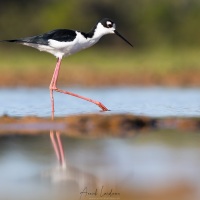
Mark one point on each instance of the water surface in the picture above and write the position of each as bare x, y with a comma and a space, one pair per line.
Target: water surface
145, 165
152, 101
29, 169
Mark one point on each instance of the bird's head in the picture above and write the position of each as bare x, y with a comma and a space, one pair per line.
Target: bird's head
107, 26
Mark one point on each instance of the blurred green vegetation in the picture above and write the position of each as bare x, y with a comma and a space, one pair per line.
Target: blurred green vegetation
182, 64
165, 35
105, 60
144, 22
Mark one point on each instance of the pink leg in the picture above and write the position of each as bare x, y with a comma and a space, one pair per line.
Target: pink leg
59, 149
52, 87
53, 82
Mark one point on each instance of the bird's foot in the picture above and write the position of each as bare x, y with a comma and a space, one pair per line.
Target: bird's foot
102, 106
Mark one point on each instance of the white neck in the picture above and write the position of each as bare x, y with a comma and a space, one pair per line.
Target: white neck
100, 31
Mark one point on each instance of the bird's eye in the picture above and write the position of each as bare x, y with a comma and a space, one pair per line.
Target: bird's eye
109, 25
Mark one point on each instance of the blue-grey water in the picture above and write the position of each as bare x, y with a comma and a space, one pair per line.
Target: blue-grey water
143, 164
29, 170
152, 101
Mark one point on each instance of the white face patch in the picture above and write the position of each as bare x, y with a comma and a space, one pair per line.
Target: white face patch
102, 30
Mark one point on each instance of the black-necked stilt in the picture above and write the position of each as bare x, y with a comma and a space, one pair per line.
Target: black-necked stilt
64, 42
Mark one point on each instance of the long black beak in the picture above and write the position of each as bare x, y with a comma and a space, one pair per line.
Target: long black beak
117, 33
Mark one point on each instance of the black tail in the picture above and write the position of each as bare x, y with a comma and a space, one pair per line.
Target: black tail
11, 40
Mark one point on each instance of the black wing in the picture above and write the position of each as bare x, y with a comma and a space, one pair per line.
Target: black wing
61, 35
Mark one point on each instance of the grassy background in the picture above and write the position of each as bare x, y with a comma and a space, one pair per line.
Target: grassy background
99, 65
165, 35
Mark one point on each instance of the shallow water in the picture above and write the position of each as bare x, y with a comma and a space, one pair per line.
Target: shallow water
29, 169
163, 163
152, 101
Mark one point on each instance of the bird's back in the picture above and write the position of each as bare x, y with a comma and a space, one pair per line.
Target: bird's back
61, 35
59, 42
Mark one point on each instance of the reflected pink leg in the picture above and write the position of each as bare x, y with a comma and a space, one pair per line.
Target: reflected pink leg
55, 145
62, 156
58, 148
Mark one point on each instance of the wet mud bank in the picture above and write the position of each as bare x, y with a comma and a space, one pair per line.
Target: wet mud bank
96, 124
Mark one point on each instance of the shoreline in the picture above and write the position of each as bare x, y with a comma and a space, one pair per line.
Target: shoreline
87, 125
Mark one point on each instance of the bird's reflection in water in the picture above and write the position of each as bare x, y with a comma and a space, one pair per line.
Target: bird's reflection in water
76, 183
64, 172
